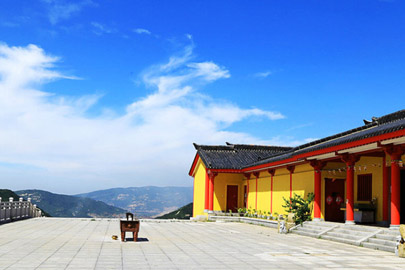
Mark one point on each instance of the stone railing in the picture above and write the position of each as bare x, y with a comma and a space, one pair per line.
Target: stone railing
15, 210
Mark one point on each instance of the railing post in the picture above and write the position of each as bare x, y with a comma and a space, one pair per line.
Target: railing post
2, 213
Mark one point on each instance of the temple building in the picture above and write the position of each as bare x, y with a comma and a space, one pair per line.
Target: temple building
361, 168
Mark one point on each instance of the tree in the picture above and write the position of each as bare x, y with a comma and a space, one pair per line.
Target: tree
300, 207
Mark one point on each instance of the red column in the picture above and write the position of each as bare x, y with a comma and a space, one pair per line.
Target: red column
395, 151
247, 175
317, 165
211, 191
350, 160
271, 172
349, 193
256, 174
386, 188
291, 170
395, 191
207, 197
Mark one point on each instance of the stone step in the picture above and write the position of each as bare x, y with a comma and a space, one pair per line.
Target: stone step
383, 242
304, 233
388, 237
310, 230
379, 247
322, 224
314, 227
345, 236
361, 228
338, 239
360, 234
391, 232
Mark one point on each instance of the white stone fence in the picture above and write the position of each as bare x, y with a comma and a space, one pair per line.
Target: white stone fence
15, 210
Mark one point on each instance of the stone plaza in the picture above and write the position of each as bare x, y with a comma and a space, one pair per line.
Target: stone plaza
66, 243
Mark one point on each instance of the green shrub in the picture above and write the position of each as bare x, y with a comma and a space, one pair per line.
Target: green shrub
300, 207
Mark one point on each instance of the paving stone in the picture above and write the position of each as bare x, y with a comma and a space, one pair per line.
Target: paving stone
56, 243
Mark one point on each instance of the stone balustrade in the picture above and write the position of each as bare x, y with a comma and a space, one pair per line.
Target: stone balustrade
15, 210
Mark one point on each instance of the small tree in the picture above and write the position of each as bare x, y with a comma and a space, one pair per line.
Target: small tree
300, 207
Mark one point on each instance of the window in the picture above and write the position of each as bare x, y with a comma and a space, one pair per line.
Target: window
364, 187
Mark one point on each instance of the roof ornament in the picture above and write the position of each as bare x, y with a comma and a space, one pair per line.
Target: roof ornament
374, 120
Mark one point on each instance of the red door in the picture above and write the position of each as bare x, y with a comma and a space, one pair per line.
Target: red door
232, 198
334, 198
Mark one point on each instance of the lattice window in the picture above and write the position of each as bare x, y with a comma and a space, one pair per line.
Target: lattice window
364, 187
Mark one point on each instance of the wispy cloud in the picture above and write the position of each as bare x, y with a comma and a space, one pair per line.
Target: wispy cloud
56, 146
142, 31
100, 29
300, 126
264, 74
59, 10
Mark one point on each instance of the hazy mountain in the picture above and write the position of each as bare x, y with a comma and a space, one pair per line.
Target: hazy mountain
144, 201
58, 205
184, 212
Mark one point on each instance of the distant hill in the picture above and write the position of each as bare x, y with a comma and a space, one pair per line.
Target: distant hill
58, 205
184, 212
147, 201
5, 195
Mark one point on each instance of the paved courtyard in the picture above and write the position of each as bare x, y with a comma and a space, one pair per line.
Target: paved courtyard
54, 243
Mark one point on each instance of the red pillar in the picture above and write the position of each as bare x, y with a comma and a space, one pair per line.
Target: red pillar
395, 151
211, 191
271, 172
291, 170
317, 165
247, 175
386, 188
395, 191
350, 193
350, 161
256, 174
207, 196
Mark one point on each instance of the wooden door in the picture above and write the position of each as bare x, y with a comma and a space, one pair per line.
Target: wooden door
232, 198
334, 197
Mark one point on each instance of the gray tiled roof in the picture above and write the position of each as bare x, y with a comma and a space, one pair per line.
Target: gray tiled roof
235, 156
238, 156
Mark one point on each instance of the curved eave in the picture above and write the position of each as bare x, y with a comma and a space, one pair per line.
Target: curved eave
301, 157
194, 165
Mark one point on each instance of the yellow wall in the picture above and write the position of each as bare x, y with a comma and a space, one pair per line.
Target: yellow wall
199, 190
263, 192
281, 188
222, 180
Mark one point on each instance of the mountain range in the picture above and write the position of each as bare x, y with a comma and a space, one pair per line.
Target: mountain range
144, 202
59, 205
149, 201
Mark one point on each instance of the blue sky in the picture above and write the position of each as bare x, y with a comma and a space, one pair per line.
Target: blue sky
99, 94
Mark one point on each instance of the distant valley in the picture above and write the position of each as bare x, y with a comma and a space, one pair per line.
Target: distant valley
146, 202
149, 201
59, 205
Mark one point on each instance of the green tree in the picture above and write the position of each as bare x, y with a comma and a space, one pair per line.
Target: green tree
301, 207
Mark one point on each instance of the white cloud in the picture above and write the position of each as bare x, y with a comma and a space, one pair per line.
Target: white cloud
59, 10
142, 31
100, 29
48, 142
264, 74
